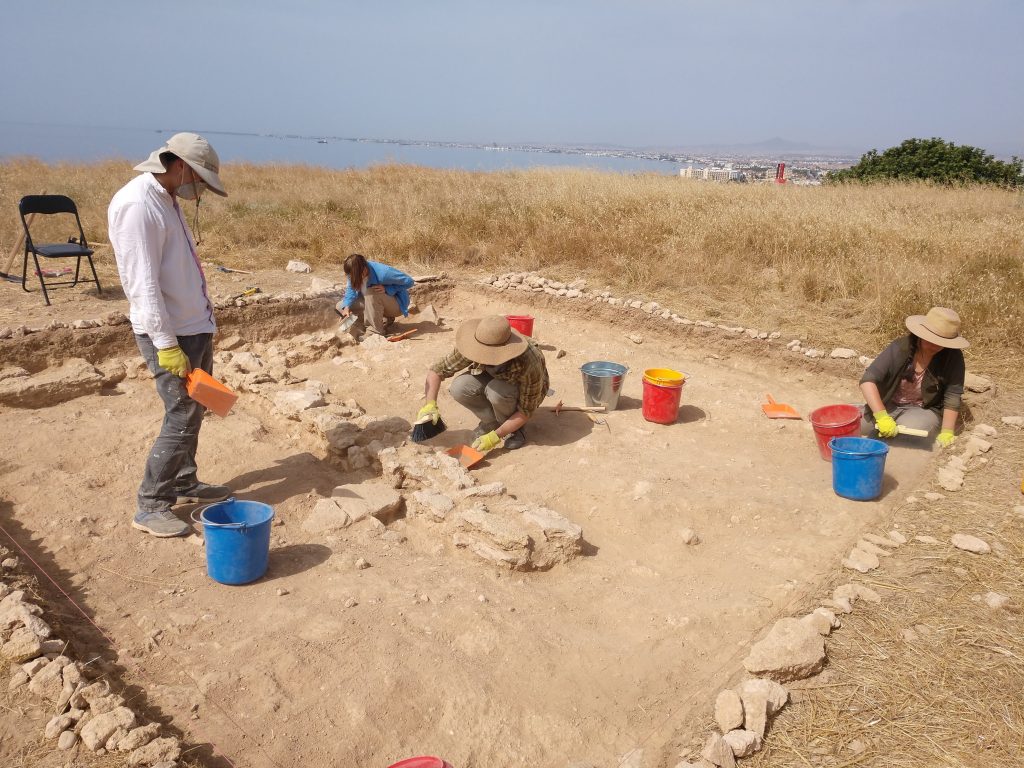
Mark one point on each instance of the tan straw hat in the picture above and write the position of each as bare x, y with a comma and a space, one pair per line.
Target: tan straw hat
940, 326
194, 150
489, 340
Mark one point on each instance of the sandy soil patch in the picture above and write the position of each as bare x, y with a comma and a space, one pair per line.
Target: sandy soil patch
439, 652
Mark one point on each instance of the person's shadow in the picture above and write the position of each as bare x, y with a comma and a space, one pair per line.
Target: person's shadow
289, 477
292, 559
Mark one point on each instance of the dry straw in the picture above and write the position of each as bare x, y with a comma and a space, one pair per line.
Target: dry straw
932, 676
836, 265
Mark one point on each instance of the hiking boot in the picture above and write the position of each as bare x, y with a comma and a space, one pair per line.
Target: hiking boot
516, 440
203, 492
162, 524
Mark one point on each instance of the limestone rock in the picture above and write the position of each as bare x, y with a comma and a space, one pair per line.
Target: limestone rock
898, 537
290, 403
995, 600
300, 267
368, 499
326, 516
859, 560
970, 543
689, 536
1013, 421
743, 743
718, 752
497, 488
728, 710
67, 740
855, 592
818, 622
559, 539
75, 378
493, 538
791, 651
101, 727
57, 724
775, 695
48, 683
985, 430
165, 749
927, 539
21, 646
872, 549
18, 679
432, 504
842, 353
950, 478
138, 737
975, 383
881, 541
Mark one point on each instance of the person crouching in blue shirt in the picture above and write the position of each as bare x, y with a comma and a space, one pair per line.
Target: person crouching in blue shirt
376, 292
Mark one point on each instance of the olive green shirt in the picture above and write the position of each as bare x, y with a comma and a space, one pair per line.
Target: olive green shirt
528, 371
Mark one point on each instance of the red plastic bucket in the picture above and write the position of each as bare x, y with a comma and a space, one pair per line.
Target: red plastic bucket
522, 323
661, 402
421, 762
834, 421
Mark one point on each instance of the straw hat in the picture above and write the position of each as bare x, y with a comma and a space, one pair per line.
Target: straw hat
194, 150
489, 340
940, 326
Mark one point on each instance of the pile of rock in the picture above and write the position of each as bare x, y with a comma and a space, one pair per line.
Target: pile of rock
532, 282
85, 712
794, 649
950, 475
434, 488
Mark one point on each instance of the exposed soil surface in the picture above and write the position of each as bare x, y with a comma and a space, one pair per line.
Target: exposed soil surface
442, 653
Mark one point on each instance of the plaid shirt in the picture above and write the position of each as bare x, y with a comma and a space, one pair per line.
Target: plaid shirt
528, 372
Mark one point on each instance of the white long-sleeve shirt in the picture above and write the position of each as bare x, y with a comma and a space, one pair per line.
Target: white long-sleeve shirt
156, 259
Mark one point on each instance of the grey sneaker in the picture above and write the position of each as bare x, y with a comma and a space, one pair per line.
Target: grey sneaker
516, 440
162, 524
203, 492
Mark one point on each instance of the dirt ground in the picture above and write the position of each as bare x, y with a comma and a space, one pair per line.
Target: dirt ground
442, 653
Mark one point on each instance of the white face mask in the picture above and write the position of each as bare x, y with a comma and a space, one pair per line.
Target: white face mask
191, 191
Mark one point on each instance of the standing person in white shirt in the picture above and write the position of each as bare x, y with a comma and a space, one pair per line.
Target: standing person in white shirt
171, 315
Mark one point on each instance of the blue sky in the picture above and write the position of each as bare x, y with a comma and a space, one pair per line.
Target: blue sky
845, 74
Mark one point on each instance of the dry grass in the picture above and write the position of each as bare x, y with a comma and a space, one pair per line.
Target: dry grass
931, 676
832, 264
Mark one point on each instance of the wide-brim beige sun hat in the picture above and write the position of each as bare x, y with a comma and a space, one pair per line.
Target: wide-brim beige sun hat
489, 340
194, 150
940, 326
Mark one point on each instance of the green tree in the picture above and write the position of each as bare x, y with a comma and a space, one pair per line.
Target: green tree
934, 160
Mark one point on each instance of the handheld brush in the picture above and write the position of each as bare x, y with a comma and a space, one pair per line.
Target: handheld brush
426, 428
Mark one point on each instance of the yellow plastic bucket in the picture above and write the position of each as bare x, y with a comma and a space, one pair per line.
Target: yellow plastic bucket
664, 377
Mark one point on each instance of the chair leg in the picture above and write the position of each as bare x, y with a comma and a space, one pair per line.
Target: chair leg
96, 279
42, 282
24, 272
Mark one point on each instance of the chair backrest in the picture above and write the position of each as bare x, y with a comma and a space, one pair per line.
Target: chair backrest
46, 204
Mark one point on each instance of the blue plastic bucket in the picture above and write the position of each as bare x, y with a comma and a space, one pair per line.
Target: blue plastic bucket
858, 465
237, 540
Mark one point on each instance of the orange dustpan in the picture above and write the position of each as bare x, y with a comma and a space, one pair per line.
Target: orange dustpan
774, 410
466, 455
206, 390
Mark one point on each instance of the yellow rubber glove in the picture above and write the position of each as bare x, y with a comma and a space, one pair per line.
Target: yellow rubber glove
885, 424
173, 360
428, 412
488, 442
945, 438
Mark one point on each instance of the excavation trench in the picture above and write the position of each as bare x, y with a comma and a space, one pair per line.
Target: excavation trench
431, 650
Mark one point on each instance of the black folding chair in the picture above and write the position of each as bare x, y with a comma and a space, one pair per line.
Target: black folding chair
74, 248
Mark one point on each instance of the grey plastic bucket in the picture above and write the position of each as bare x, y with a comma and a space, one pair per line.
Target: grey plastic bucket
602, 382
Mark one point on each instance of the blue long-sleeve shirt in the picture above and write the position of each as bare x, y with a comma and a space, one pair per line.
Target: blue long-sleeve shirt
396, 283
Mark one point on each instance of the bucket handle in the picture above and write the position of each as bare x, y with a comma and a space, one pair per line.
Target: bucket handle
194, 512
